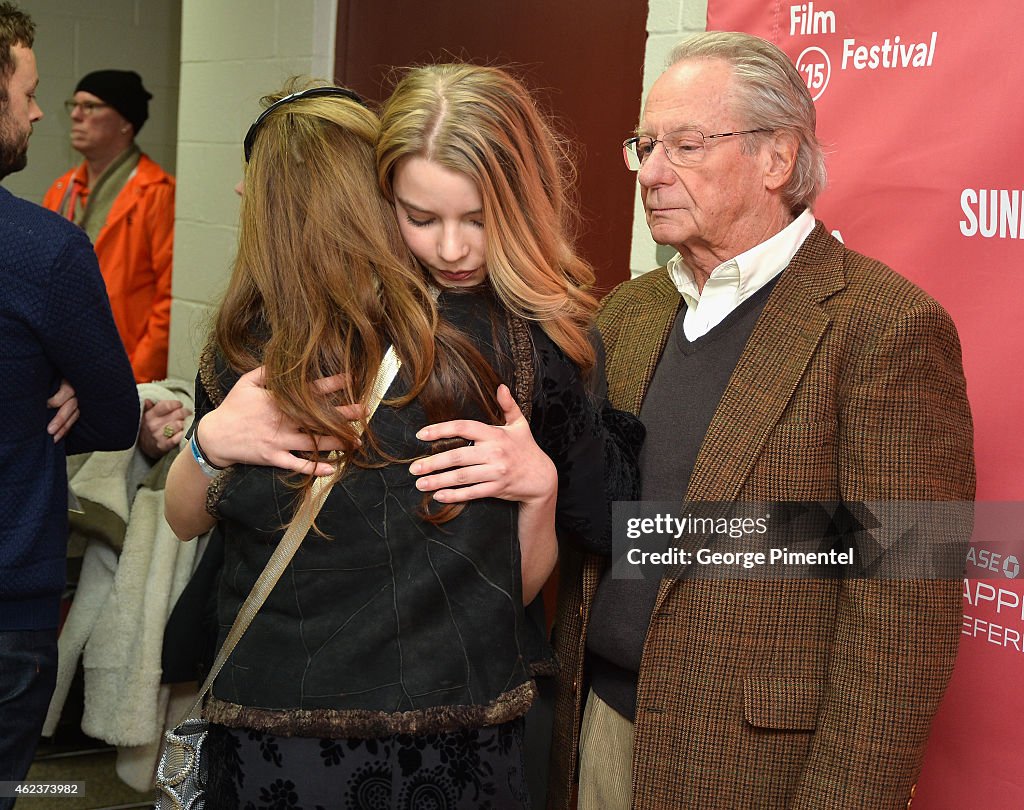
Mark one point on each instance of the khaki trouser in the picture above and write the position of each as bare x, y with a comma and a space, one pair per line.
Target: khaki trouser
606, 758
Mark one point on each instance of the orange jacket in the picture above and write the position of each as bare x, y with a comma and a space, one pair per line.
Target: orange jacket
134, 249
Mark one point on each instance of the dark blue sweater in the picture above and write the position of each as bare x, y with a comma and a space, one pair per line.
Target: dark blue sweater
55, 323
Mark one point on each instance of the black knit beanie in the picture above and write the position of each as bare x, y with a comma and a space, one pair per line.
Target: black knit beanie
122, 90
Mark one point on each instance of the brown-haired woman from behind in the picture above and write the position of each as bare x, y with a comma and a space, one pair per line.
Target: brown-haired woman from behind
391, 662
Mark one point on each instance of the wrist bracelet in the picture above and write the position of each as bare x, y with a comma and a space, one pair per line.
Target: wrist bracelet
208, 468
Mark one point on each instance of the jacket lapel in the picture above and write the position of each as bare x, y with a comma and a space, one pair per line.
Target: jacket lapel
775, 358
637, 354
769, 369
128, 198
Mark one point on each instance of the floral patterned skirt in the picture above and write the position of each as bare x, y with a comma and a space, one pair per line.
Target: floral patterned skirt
478, 769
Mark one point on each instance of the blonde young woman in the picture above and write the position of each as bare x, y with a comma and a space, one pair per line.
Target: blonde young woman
481, 187
392, 664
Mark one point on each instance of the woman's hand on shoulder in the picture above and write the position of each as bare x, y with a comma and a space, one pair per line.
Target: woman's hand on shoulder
248, 427
501, 461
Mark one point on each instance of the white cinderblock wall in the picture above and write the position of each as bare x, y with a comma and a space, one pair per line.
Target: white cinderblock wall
75, 38
231, 54
667, 22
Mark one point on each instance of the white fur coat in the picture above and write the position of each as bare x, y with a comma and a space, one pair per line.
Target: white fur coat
116, 622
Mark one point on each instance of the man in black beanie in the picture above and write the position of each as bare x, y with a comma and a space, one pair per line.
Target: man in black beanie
125, 202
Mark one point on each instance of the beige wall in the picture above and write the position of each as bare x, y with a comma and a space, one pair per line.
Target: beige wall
667, 22
75, 38
231, 54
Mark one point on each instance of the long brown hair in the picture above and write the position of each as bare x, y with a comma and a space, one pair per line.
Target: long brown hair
323, 282
482, 122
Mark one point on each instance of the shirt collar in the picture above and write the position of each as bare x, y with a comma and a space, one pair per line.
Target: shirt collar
745, 274
81, 175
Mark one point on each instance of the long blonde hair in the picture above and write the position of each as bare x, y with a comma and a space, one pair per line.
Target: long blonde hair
482, 122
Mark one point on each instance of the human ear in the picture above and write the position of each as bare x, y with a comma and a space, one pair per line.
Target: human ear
781, 152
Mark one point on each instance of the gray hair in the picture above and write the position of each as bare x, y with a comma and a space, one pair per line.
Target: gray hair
771, 95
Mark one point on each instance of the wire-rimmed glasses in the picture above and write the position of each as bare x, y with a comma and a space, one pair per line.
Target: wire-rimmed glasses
87, 107
683, 147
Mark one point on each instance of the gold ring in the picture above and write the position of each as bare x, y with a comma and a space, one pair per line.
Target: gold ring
169, 430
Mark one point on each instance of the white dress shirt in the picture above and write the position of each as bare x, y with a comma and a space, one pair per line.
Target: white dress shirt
734, 281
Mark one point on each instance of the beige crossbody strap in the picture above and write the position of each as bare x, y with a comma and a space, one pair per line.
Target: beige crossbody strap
293, 537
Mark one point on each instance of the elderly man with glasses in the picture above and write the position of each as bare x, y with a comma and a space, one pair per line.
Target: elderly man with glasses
124, 201
770, 365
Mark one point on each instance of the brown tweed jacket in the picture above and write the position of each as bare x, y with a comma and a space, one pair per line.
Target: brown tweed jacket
812, 694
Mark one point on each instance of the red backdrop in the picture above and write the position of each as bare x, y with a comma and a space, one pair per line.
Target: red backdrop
919, 114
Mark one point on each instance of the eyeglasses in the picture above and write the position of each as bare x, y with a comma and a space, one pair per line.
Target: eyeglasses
312, 92
88, 107
683, 147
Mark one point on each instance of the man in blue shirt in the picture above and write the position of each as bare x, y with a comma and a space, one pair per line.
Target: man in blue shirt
55, 325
